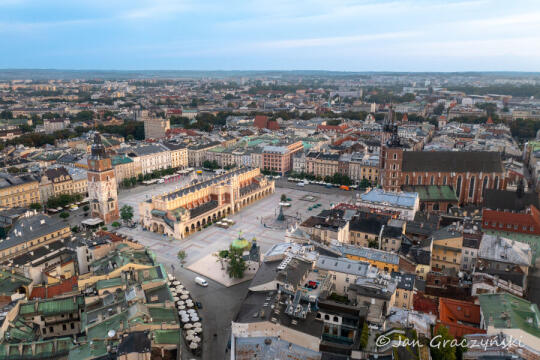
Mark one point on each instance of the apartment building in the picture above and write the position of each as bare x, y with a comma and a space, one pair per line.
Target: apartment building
32, 232
279, 158
18, 191
152, 157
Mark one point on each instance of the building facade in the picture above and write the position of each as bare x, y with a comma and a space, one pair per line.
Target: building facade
191, 208
102, 188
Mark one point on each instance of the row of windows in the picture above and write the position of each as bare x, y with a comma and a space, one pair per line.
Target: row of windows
509, 226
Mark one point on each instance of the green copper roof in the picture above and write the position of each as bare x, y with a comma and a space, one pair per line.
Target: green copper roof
433, 192
11, 282
506, 311
167, 336
109, 283
240, 243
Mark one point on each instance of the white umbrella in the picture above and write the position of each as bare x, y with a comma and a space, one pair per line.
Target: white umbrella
193, 345
176, 298
182, 312
188, 300
171, 278
197, 324
196, 339
176, 283
194, 318
197, 330
180, 302
184, 297
189, 304
191, 311
185, 319
181, 307
180, 288
190, 332
173, 291
188, 326
189, 337
184, 292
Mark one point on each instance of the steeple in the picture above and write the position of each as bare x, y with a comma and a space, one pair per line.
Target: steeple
98, 150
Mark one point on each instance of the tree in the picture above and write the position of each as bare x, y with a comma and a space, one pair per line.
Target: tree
237, 265
116, 224
364, 183
126, 213
438, 110
86, 208
283, 197
35, 206
439, 351
364, 336
64, 215
181, 256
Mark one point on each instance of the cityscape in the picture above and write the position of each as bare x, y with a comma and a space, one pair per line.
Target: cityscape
244, 193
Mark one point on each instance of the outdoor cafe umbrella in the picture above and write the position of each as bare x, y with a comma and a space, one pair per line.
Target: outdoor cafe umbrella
197, 330
180, 302
190, 337
196, 339
181, 307
193, 345
197, 324
188, 326
184, 297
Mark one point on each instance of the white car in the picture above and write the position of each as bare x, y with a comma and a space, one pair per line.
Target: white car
201, 281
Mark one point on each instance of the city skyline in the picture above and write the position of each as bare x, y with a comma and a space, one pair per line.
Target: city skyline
480, 35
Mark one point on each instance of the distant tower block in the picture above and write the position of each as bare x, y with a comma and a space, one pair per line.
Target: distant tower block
102, 190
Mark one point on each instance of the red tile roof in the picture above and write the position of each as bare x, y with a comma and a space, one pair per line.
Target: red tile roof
460, 317
424, 304
523, 223
47, 292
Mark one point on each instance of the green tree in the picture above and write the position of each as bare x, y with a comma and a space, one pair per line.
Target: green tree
35, 206
442, 352
364, 336
116, 224
86, 208
438, 110
64, 215
126, 213
181, 256
364, 183
283, 198
237, 265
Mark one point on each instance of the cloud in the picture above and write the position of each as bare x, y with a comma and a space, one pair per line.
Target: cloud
332, 41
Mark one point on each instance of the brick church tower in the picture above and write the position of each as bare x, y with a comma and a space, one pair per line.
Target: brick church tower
391, 156
102, 184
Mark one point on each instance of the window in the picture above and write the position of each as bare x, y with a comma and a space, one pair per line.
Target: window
444, 181
336, 319
419, 182
407, 180
471, 187
496, 183
484, 186
395, 156
458, 187
326, 317
64, 327
432, 180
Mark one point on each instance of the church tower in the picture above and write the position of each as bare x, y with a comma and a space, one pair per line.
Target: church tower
391, 156
102, 183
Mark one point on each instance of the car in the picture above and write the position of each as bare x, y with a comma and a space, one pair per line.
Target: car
198, 304
201, 281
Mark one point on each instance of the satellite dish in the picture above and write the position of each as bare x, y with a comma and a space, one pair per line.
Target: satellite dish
111, 333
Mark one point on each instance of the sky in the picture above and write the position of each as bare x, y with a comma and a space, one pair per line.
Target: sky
341, 35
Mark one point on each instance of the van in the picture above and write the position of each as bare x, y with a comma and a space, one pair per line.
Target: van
201, 281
